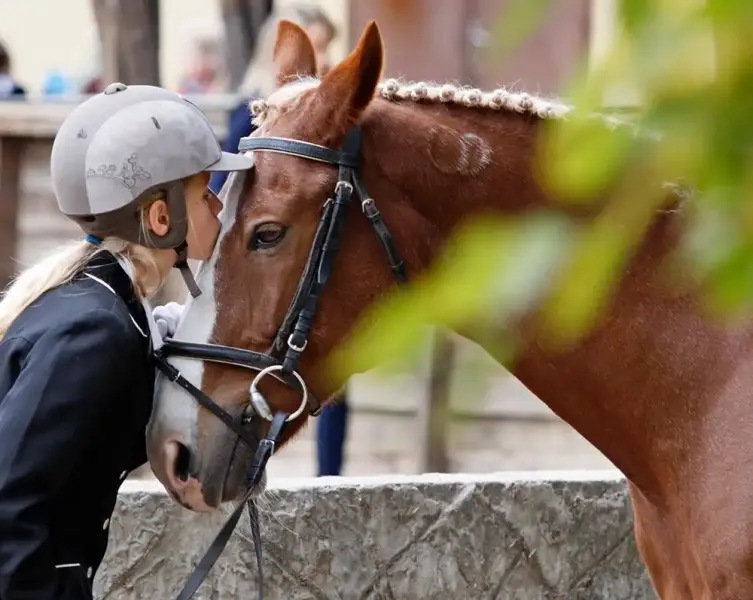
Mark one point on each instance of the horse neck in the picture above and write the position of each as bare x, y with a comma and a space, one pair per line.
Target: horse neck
448, 162
639, 384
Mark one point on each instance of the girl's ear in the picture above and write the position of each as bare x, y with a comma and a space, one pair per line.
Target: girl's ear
158, 217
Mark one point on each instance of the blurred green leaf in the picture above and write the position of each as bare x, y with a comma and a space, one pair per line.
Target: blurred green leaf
598, 261
492, 270
733, 280
634, 14
691, 64
582, 156
516, 23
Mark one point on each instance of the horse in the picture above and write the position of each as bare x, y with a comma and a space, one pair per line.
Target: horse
656, 385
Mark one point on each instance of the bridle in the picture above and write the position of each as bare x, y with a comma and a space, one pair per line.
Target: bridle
281, 361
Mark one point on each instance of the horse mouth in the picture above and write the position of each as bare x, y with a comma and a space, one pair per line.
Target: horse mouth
237, 473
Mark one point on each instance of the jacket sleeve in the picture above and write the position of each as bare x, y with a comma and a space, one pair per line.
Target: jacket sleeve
53, 408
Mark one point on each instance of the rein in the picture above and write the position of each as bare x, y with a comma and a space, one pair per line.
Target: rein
291, 338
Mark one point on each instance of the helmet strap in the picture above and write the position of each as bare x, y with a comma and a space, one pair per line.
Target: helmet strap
182, 265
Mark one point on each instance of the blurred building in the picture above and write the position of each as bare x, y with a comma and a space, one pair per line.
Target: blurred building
65, 37
440, 40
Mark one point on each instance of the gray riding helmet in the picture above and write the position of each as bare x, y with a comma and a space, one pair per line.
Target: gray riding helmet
118, 148
75, 134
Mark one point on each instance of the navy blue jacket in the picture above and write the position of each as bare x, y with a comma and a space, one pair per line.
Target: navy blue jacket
17, 93
76, 388
239, 125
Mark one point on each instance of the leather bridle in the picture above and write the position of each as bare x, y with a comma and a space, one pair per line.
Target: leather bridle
281, 361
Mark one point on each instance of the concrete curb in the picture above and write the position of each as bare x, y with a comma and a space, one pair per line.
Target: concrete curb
505, 535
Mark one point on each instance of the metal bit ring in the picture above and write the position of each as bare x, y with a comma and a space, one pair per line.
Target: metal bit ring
257, 397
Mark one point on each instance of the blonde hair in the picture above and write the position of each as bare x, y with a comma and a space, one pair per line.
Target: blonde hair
63, 264
260, 77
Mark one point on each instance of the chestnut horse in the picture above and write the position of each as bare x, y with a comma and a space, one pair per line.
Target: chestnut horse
660, 389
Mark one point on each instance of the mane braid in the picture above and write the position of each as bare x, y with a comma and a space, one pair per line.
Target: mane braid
499, 99
393, 90
396, 91
287, 98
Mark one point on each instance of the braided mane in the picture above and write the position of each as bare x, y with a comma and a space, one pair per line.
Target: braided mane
501, 99
397, 91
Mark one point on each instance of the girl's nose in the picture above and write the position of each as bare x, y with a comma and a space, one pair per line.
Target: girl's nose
215, 204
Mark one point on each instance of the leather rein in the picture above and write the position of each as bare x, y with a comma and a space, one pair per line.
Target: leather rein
281, 361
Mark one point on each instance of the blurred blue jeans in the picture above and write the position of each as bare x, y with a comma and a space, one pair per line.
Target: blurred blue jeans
331, 432
238, 126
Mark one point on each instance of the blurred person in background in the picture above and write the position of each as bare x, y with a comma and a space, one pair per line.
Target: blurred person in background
260, 82
205, 73
91, 81
9, 87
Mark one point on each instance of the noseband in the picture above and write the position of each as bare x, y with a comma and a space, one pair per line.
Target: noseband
281, 361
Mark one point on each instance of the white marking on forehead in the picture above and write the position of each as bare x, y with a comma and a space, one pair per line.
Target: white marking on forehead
291, 91
175, 410
282, 98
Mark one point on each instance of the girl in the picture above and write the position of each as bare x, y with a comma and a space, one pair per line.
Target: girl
131, 166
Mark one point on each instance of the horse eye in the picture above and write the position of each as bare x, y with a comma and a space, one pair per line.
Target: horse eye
266, 235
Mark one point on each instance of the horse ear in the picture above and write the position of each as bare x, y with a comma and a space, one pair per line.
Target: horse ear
350, 85
294, 53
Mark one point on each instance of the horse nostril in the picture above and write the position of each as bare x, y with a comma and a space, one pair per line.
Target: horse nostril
183, 463
177, 469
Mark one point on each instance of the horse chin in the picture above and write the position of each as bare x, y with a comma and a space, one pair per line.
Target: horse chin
236, 492
225, 465
236, 479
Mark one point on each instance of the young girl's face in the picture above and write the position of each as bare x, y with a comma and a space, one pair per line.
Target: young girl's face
203, 209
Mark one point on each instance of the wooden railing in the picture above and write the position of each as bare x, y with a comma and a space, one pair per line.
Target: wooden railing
39, 117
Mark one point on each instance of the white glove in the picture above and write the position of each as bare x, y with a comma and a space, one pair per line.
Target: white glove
166, 317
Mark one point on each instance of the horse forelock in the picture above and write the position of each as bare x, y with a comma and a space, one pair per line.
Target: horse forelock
281, 100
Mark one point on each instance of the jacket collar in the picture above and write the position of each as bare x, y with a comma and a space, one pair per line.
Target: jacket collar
104, 266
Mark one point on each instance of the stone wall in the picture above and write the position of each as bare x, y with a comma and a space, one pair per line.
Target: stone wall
510, 536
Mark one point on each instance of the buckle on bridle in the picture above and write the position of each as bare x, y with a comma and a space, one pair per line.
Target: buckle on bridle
344, 184
292, 345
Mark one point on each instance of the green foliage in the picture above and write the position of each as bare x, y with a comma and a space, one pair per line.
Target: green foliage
521, 18
493, 270
690, 63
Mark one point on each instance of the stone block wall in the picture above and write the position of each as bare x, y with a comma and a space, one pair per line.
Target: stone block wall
512, 536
